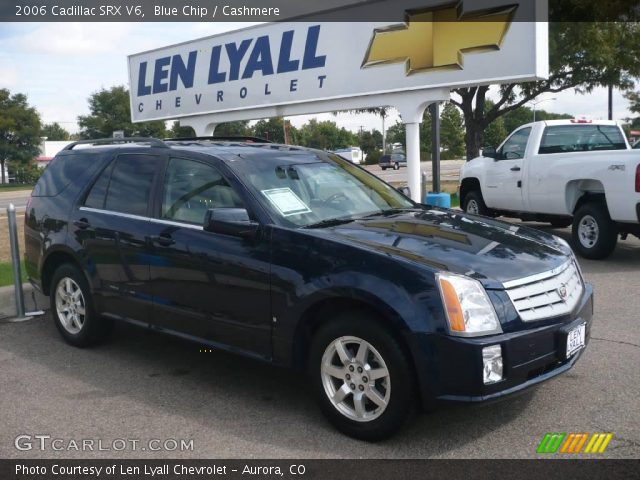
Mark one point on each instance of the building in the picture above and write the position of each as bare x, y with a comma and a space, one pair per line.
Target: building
49, 149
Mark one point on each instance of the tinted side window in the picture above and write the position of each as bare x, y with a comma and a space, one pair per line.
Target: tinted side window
98, 192
191, 188
60, 172
130, 186
516, 145
580, 138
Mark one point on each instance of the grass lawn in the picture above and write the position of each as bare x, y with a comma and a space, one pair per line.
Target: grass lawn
6, 274
13, 188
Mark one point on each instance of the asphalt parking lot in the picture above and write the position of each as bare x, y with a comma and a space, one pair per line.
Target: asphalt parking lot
144, 385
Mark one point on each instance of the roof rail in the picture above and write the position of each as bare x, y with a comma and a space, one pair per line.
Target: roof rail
224, 138
154, 142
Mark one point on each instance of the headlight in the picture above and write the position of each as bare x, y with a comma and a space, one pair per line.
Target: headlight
564, 243
468, 308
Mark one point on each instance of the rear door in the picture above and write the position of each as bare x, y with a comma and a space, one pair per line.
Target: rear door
112, 225
208, 285
504, 174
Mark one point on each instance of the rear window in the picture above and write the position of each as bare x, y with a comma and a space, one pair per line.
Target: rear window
60, 172
385, 158
581, 138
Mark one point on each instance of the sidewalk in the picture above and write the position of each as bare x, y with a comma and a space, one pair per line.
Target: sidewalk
33, 301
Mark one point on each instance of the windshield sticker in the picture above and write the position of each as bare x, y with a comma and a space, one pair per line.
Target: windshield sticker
286, 201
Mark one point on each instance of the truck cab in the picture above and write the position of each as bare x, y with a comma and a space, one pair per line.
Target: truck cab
562, 172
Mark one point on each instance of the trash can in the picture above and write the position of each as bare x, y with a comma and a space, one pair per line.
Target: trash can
438, 199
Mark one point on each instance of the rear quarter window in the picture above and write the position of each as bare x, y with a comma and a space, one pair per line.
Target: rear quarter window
62, 170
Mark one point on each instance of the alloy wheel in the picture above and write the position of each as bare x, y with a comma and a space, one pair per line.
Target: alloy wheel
356, 379
70, 305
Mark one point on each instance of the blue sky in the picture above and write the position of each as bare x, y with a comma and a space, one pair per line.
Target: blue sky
58, 65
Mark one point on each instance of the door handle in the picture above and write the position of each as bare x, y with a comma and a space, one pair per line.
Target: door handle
82, 224
515, 169
163, 240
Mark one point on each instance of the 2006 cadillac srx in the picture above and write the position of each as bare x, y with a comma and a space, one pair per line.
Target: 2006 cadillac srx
300, 258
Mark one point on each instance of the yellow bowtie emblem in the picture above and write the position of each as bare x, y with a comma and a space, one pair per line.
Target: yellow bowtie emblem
436, 38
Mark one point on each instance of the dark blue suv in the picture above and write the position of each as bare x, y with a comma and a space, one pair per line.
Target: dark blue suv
301, 258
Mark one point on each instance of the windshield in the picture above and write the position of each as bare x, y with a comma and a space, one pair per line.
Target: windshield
310, 194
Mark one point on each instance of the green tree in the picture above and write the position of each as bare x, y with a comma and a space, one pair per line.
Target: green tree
495, 133
370, 141
234, 129
581, 56
451, 131
53, 131
522, 115
178, 131
326, 135
271, 129
19, 130
110, 111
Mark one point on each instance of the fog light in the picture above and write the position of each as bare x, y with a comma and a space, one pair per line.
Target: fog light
492, 364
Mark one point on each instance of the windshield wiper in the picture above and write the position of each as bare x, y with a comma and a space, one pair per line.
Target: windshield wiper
331, 222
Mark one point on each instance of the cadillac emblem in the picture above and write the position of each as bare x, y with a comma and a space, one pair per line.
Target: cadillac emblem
562, 291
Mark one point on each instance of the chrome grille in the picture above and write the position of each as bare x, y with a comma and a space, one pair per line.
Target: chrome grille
547, 294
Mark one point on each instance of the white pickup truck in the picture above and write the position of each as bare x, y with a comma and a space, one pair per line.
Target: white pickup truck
563, 172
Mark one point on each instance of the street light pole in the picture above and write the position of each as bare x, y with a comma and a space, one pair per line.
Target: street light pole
535, 104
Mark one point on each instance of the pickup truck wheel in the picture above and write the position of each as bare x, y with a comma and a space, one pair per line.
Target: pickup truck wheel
361, 377
594, 233
383, 168
396, 166
474, 204
72, 308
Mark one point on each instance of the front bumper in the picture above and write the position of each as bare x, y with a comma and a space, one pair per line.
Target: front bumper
530, 356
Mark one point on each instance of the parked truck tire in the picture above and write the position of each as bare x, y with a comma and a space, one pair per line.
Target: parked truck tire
474, 204
594, 233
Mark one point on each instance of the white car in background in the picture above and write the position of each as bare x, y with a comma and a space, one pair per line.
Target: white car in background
564, 172
353, 154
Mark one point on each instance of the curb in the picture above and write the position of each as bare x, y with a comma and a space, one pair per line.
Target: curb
33, 300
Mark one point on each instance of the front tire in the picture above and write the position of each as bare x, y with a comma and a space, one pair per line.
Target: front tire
361, 377
594, 233
396, 166
72, 308
474, 204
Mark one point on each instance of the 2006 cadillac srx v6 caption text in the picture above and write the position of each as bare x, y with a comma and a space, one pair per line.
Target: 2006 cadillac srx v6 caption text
303, 259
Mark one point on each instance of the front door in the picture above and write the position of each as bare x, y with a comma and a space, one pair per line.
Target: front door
505, 173
208, 285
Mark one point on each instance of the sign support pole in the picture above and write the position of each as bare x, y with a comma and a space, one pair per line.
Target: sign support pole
413, 160
435, 146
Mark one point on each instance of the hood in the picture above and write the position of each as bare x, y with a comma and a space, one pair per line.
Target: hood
491, 251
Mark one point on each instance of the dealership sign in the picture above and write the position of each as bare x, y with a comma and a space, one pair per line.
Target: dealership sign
286, 64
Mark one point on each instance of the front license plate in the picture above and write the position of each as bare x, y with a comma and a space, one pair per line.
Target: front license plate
575, 339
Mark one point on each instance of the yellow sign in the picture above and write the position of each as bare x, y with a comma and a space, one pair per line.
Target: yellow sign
437, 38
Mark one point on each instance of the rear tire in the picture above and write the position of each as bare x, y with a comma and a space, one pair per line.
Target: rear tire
383, 168
364, 395
72, 308
594, 233
474, 204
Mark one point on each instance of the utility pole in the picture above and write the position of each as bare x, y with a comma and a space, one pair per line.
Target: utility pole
610, 102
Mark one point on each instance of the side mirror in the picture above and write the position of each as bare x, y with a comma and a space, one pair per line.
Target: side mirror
405, 191
234, 222
489, 152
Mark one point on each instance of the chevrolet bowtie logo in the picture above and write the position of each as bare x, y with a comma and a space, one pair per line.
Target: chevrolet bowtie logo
436, 38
